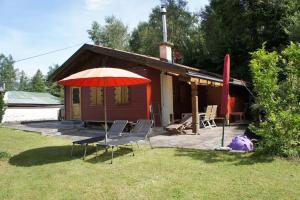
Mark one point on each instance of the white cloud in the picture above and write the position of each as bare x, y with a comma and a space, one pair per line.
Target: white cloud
96, 4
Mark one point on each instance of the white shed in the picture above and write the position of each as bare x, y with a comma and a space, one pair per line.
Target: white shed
30, 106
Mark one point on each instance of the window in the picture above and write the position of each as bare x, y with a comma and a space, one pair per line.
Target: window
121, 95
75, 95
96, 96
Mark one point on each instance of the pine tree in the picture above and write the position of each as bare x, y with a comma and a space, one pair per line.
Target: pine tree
38, 82
8, 72
52, 87
24, 82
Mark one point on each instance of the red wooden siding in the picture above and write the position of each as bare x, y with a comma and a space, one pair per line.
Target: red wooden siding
213, 97
237, 100
134, 110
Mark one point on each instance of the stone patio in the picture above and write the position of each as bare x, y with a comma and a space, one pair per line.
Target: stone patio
208, 138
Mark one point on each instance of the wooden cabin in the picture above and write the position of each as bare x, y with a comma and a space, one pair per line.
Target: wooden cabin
175, 88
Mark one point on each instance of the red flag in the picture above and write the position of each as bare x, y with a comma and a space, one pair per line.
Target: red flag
225, 88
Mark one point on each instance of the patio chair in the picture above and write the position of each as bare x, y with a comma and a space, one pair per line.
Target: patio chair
178, 128
205, 121
115, 130
140, 132
213, 115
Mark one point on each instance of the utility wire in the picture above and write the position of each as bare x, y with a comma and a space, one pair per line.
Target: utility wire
244, 84
49, 52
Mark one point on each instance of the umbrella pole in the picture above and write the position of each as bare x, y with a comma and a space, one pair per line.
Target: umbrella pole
105, 117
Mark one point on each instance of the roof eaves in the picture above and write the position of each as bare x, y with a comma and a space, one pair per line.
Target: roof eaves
53, 75
204, 76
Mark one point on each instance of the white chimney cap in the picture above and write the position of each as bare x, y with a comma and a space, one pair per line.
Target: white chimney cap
163, 9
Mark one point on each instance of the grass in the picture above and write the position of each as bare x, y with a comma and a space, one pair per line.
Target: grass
40, 167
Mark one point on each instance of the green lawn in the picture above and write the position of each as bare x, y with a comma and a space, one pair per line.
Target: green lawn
40, 167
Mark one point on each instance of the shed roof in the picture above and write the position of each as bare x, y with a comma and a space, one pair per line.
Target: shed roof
30, 98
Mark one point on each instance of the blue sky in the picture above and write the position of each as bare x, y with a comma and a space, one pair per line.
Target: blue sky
31, 27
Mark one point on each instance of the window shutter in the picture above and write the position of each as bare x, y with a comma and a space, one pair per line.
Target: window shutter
121, 95
100, 96
125, 95
93, 96
96, 96
118, 95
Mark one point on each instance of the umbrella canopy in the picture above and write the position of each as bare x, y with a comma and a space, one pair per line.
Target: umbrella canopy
225, 88
104, 77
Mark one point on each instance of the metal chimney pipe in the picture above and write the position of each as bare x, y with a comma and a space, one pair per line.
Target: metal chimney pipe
163, 12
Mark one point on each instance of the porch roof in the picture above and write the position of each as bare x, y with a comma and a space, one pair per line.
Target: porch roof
215, 79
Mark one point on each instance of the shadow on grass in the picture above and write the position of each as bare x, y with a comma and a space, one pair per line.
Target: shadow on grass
104, 156
48, 155
229, 157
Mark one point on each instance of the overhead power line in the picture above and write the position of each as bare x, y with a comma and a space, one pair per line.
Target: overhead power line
49, 52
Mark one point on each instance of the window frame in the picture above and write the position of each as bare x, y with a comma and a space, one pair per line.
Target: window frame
95, 91
128, 96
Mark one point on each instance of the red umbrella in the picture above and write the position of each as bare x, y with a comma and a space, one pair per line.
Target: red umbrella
225, 88
105, 77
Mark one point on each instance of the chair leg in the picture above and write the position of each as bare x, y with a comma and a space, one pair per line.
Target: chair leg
96, 152
85, 148
72, 149
132, 149
202, 123
112, 154
150, 144
209, 125
213, 123
205, 124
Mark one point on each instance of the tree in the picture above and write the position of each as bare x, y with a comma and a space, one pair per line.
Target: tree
52, 87
238, 27
24, 83
183, 31
8, 72
113, 34
2, 106
280, 97
294, 29
38, 82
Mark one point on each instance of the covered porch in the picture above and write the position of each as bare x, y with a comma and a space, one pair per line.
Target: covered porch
194, 92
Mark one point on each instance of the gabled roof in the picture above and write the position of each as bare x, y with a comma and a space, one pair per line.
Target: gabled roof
30, 98
141, 59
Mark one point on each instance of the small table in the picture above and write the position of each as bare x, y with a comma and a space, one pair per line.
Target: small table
239, 114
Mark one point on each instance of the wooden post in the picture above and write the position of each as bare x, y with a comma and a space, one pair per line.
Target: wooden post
195, 122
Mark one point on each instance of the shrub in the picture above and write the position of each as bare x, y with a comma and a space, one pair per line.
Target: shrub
276, 81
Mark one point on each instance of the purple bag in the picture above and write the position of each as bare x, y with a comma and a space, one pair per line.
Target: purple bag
241, 143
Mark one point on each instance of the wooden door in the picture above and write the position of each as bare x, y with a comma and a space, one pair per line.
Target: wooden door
76, 103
